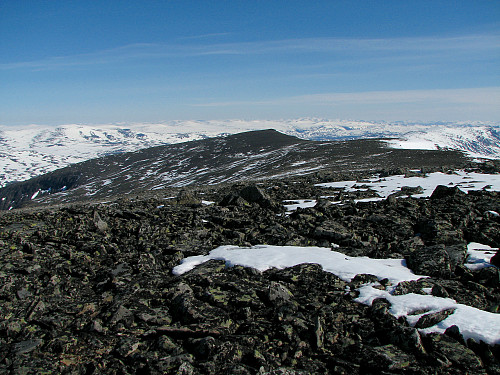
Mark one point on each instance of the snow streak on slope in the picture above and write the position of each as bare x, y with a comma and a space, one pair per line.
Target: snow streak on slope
29, 151
478, 141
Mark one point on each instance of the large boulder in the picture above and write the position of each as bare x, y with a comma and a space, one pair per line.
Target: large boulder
430, 261
249, 194
442, 191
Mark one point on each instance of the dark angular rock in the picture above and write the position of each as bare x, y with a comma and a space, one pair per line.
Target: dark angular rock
430, 261
429, 320
387, 358
278, 294
27, 346
488, 276
438, 231
249, 194
203, 348
255, 194
410, 190
122, 315
335, 232
450, 352
408, 339
454, 332
495, 260
439, 291
442, 191
457, 254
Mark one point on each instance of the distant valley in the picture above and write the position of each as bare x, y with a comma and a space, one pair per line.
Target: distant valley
29, 151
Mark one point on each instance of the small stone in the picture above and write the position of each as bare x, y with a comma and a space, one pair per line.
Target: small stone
23, 294
26, 346
387, 357
429, 320
122, 315
278, 293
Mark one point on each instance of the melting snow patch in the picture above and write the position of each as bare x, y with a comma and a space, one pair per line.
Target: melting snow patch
35, 195
292, 205
472, 322
479, 256
384, 187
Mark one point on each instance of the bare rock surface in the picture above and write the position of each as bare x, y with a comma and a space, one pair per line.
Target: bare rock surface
88, 288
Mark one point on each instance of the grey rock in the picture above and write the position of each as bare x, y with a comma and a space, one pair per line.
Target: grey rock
387, 358
122, 315
27, 346
429, 320
278, 293
430, 261
442, 191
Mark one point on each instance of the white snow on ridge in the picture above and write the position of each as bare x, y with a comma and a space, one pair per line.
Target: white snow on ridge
33, 150
472, 322
478, 141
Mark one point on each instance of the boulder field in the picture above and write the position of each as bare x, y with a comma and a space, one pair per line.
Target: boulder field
89, 289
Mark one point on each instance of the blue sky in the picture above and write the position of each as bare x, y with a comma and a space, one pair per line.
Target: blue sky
112, 61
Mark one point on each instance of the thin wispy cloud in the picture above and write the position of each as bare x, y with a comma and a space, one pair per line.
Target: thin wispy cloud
429, 105
392, 47
486, 96
205, 36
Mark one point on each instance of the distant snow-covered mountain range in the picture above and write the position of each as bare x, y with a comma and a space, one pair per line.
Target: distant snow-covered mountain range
32, 150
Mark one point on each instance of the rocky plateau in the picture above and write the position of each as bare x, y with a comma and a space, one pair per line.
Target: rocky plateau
86, 287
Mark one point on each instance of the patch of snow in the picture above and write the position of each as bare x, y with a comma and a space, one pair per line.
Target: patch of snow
263, 257
36, 194
292, 205
472, 322
465, 181
479, 256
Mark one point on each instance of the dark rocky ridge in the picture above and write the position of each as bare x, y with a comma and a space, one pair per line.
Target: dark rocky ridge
88, 288
247, 156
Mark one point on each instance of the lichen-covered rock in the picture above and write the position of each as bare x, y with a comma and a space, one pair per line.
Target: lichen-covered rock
431, 261
89, 289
